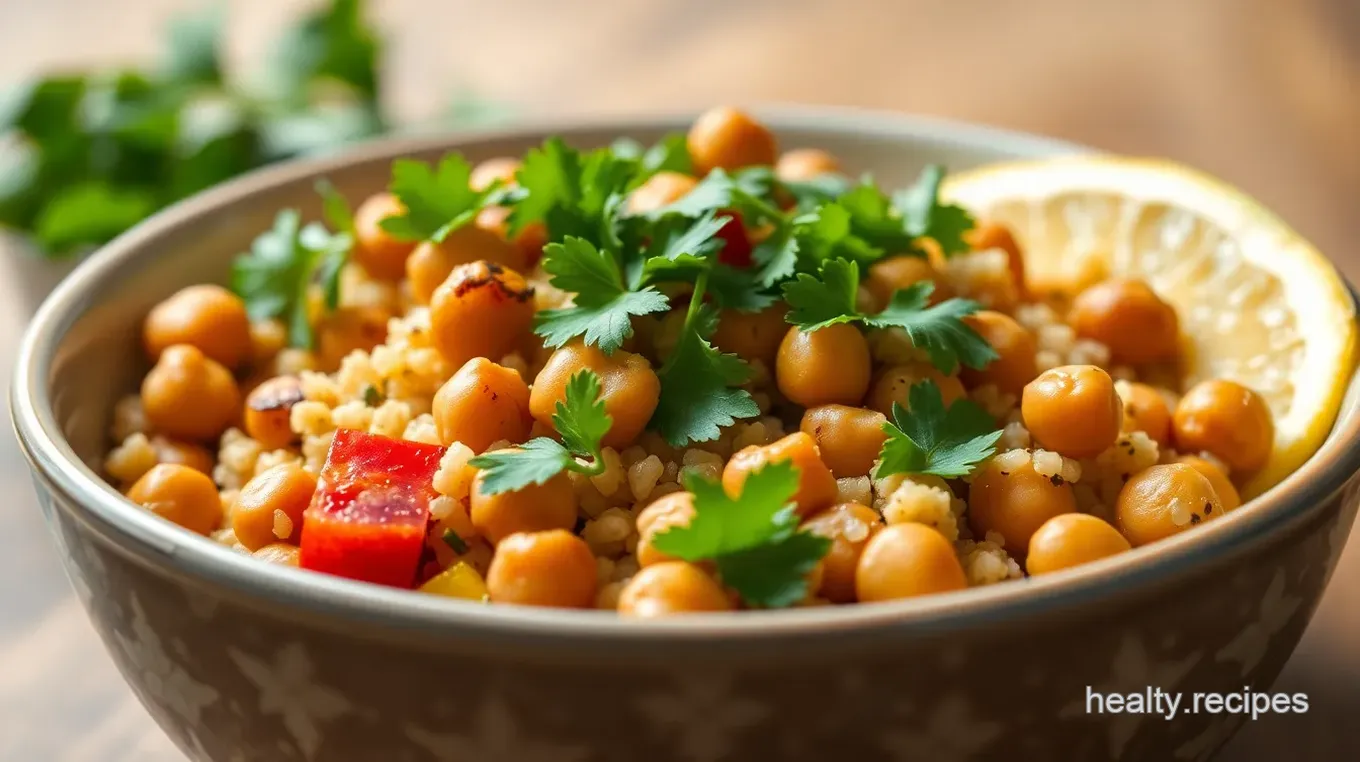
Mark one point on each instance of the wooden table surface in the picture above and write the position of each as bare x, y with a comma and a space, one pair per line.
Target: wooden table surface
1265, 93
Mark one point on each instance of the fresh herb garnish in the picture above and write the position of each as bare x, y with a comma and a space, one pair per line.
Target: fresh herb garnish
603, 306
455, 543
699, 384
927, 438
372, 397
572, 193
939, 330
924, 216
753, 539
580, 420
438, 200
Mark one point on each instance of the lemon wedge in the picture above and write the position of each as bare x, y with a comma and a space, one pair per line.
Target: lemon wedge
1258, 304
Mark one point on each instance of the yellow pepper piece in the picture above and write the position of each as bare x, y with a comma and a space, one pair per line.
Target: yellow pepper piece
457, 581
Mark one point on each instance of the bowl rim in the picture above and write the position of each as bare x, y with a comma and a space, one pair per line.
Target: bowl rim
177, 553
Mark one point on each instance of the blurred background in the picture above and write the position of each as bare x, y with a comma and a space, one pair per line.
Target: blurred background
1264, 93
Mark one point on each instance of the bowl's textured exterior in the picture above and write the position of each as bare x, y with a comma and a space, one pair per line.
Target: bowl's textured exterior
240, 662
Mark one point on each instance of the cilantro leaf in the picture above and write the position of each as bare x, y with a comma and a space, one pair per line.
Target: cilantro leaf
274, 278
333, 42
573, 194
818, 303
534, 462
90, 213
927, 438
924, 216
669, 154
699, 393
753, 538
939, 330
438, 200
744, 193
603, 309
822, 189
335, 208
581, 420
874, 220
193, 55
776, 257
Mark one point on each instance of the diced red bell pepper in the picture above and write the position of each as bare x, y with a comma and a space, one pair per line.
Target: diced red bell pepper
736, 250
367, 519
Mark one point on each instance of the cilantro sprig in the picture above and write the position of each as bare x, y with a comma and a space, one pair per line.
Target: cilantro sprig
829, 298
753, 539
438, 200
580, 420
925, 216
603, 306
928, 438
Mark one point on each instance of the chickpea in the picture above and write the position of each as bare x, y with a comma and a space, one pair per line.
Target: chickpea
1073, 410
1015, 502
1218, 479
993, 235
822, 367
805, 164
849, 526
672, 587
530, 240
502, 168
382, 255
1228, 420
431, 264
482, 310
482, 403
1015, 348
907, 560
535, 508
673, 510
888, 276
209, 318
268, 407
726, 138
189, 396
1072, 539
628, 385
548, 568
286, 488
1145, 410
1129, 318
894, 385
661, 189
816, 485
349, 329
180, 453
279, 553
849, 438
752, 335
181, 495
1163, 500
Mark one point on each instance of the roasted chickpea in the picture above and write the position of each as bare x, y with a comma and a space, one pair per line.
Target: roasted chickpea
673, 510
180, 453
1129, 318
993, 235
726, 138
848, 438
381, 254
349, 329
672, 587
849, 526
1014, 501
1073, 410
752, 335
661, 189
823, 367
894, 385
535, 508
482, 310
189, 396
1228, 420
548, 568
888, 276
181, 495
628, 385
278, 553
907, 560
1145, 410
1218, 479
431, 264
500, 168
530, 240
1163, 500
209, 318
482, 403
816, 485
1015, 348
285, 489
268, 407
805, 164
1072, 539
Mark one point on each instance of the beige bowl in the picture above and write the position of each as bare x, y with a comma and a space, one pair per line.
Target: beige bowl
244, 662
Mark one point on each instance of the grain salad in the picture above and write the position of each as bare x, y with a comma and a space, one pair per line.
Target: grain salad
697, 376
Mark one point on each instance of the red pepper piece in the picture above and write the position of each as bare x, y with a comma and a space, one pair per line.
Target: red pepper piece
367, 520
736, 250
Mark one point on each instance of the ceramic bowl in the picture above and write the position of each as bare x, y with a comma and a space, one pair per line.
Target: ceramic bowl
240, 661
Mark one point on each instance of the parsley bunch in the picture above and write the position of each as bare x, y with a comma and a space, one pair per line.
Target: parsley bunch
753, 539
928, 438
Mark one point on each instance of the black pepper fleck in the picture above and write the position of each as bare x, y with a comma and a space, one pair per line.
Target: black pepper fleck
1194, 518
1056, 480
1208, 507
